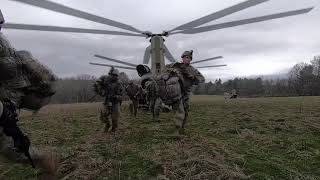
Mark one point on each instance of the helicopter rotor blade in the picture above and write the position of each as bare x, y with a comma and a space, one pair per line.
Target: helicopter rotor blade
65, 29
219, 14
52, 6
146, 57
1, 19
221, 65
209, 59
115, 60
108, 65
244, 21
168, 55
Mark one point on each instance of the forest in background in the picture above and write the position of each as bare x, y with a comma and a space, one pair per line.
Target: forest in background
302, 80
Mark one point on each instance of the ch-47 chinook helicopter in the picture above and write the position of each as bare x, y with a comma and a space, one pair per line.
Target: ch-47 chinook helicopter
157, 50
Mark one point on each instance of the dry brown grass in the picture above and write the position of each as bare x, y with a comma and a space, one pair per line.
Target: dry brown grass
261, 138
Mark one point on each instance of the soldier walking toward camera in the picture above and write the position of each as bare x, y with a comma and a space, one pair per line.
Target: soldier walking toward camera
189, 76
173, 86
110, 88
133, 92
24, 83
153, 99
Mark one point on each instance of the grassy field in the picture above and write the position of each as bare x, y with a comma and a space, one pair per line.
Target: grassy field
257, 138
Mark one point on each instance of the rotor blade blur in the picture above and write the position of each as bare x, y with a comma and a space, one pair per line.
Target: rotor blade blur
244, 21
168, 54
108, 65
209, 59
65, 29
115, 60
146, 57
219, 14
1, 19
212, 66
52, 6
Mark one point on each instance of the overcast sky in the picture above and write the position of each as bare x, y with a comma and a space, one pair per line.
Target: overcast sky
263, 48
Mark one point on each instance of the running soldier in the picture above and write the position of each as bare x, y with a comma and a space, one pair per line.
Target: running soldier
110, 88
24, 83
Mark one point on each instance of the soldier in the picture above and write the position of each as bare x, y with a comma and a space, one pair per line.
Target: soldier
110, 88
133, 92
174, 86
153, 99
234, 94
24, 83
190, 76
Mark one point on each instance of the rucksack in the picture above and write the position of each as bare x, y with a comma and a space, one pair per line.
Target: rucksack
167, 86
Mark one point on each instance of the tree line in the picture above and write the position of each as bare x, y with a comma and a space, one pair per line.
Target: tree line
302, 80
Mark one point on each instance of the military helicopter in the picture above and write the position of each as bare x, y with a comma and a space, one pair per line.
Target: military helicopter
157, 50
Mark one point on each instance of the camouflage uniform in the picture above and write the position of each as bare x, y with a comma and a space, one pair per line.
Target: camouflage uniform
15, 90
153, 99
110, 88
133, 92
176, 92
191, 76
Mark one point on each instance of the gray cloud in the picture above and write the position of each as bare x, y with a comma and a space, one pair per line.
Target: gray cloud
263, 48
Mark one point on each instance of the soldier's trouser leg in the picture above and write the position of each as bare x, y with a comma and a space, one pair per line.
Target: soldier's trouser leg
104, 117
135, 107
156, 109
185, 100
47, 162
152, 102
179, 115
115, 115
131, 107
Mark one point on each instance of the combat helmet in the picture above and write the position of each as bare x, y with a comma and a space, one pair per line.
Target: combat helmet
114, 71
187, 53
143, 69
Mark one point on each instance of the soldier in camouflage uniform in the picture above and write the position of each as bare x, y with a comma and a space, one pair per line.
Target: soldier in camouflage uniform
133, 92
19, 90
153, 99
189, 77
110, 88
174, 86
